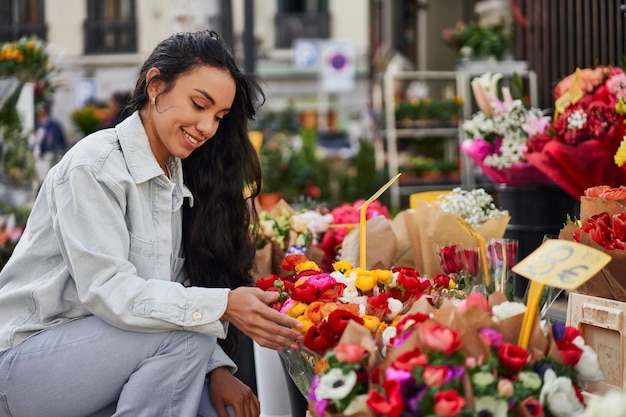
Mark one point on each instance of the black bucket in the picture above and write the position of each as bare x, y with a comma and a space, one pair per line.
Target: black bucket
535, 211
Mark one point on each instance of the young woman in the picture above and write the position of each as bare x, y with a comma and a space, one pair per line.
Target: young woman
136, 255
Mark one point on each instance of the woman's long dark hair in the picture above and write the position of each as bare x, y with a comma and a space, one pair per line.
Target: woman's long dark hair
224, 174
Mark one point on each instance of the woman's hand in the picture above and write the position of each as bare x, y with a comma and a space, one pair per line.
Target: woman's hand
248, 310
226, 389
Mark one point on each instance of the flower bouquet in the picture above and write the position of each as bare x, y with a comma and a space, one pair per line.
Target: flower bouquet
577, 149
435, 224
498, 134
602, 226
464, 361
327, 302
285, 231
345, 218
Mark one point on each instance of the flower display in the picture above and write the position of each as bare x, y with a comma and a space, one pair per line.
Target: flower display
497, 134
345, 217
462, 361
475, 206
578, 148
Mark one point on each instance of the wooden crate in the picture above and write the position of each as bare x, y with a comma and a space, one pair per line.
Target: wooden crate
602, 323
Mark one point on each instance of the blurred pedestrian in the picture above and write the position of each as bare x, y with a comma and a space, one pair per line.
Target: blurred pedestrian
117, 105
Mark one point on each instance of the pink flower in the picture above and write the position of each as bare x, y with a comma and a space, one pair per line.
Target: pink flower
350, 352
438, 338
448, 403
436, 376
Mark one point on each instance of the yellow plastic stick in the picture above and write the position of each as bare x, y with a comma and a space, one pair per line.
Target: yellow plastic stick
362, 218
532, 305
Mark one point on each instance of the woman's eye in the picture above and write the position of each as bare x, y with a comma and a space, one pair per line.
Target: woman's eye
197, 106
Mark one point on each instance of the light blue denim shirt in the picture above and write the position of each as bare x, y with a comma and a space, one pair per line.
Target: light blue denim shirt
103, 238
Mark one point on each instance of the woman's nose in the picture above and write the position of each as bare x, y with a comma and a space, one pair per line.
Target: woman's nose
207, 126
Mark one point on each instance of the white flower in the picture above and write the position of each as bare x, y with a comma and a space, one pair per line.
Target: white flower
267, 228
388, 334
558, 395
359, 403
508, 309
611, 404
335, 385
474, 206
395, 306
588, 365
494, 407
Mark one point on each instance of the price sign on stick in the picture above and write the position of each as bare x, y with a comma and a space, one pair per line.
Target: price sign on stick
482, 244
560, 264
362, 218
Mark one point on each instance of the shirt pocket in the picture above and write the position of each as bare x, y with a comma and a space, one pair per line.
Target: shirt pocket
142, 255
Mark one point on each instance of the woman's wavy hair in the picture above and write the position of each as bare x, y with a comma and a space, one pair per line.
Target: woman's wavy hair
224, 174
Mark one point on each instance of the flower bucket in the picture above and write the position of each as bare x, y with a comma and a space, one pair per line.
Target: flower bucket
535, 211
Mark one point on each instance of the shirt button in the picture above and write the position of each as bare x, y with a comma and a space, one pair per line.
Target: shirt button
196, 316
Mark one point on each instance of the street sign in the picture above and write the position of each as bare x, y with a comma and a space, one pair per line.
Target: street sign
338, 66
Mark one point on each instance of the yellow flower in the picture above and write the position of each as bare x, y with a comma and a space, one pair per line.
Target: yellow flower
371, 322
306, 323
307, 266
620, 107
342, 266
451, 284
620, 155
366, 281
383, 276
297, 309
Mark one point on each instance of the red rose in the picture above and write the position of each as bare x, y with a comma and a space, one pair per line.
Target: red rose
569, 352
530, 407
291, 261
305, 293
410, 360
266, 282
392, 405
318, 338
338, 320
332, 292
448, 403
512, 357
449, 259
441, 280
350, 352
378, 306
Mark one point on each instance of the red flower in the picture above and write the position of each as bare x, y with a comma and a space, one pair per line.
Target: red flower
378, 306
338, 320
305, 293
441, 280
569, 352
350, 352
411, 320
449, 259
392, 405
530, 407
619, 225
291, 261
410, 360
318, 338
448, 403
267, 282
512, 357
332, 292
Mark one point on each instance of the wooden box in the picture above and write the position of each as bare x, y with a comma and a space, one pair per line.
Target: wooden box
602, 323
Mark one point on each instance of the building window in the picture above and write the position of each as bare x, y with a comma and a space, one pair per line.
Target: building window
301, 19
110, 27
19, 18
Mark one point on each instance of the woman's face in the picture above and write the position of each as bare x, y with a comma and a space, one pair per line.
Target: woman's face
185, 117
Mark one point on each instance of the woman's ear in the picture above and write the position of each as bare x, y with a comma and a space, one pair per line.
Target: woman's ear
153, 85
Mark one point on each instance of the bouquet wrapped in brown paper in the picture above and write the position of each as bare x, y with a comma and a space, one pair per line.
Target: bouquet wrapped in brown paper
380, 242
463, 359
284, 231
429, 224
603, 227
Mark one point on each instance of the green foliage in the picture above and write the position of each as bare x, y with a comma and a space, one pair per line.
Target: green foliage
476, 41
86, 119
18, 165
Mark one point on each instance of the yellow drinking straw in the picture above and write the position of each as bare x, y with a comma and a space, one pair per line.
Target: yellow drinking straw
481, 244
362, 218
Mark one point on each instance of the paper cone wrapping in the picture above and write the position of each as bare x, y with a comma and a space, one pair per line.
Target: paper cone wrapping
610, 282
380, 242
428, 224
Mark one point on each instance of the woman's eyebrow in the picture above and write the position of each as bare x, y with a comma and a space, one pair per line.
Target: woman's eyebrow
209, 97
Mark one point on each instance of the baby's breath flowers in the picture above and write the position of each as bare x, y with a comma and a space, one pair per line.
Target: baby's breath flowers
474, 206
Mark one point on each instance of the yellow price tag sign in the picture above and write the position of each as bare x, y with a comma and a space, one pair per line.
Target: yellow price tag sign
562, 264
571, 96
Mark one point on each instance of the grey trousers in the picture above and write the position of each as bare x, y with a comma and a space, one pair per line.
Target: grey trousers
82, 367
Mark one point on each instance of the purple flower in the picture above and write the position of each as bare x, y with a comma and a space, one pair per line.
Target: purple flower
558, 330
